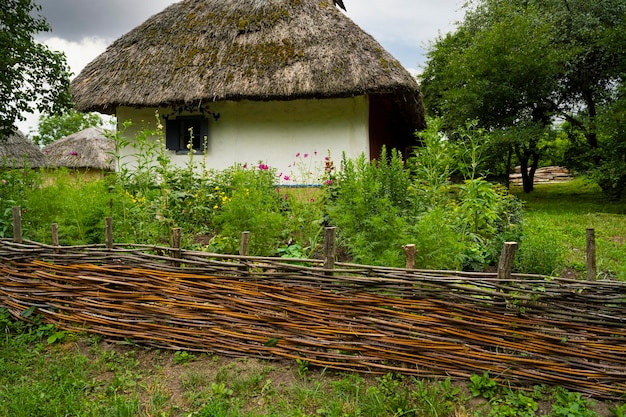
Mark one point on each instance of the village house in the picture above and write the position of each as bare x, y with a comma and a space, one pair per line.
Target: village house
248, 81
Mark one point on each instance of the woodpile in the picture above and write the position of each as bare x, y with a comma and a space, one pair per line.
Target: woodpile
523, 330
544, 175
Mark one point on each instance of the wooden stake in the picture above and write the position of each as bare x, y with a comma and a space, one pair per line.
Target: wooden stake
410, 251
108, 232
330, 249
592, 270
176, 244
505, 266
55, 235
244, 246
17, 224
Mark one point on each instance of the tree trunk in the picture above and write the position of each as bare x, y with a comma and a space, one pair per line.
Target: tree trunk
528, 175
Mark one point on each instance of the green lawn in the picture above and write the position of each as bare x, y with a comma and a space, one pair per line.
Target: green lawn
566, 210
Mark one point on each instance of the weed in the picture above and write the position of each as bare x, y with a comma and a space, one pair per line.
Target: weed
570, 404
182, 357
483, 386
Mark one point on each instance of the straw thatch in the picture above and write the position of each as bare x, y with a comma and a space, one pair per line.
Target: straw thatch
17, 151
87, 149
213, 50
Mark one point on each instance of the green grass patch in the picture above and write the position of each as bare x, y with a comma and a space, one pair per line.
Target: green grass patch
557, 217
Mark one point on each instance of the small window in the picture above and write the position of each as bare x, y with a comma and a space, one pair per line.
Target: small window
185, 130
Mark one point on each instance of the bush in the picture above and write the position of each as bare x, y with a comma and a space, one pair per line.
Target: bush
540, 251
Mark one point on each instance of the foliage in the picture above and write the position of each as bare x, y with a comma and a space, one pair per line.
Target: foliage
483, 386
540, 250
570, 404
32, 76
77, 206
520, 66
56, 126
251, 203
15, 186
369, 206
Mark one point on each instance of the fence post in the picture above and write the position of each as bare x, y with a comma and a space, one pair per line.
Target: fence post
108, 232
591, 255
410, 251
244, 246
330, 249
176, 240
55, 235
17, 224
505, 266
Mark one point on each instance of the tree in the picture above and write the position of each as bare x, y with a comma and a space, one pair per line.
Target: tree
32, 77
53, 127
519, 66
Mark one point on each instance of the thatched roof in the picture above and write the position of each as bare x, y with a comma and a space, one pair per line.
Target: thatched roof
208, 50
17, 151
89, 148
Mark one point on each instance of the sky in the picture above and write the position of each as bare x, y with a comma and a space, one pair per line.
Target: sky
83, 29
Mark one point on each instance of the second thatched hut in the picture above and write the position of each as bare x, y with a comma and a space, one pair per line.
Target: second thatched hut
255, 80
89, 150
17, 151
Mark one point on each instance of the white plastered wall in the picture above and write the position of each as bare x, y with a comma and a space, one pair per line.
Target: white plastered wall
272, 133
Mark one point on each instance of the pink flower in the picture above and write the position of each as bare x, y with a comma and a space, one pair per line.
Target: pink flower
264, 167
327, 158
305, 155
286, 177
328, 182
312, 200
73, 153
4, 182
245, 165
298, 155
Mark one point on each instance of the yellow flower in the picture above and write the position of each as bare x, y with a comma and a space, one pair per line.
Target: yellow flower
215, 207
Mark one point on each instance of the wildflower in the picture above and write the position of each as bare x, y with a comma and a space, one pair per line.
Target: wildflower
245, 165
286, 177
264, 167
4, 182
305, 155
312, 200
328, 182
73, 153
217, 188
215, 207
298, 155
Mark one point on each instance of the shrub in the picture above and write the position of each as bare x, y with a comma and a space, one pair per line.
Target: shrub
250, 203
540, 250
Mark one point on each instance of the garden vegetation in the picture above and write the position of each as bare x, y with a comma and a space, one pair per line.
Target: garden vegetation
377, 206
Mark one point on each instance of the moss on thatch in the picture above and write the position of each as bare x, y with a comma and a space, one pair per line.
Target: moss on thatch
208, 50
17, 151
87, 149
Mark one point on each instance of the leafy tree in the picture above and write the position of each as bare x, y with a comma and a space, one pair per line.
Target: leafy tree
32, 77
53, 127
518, 66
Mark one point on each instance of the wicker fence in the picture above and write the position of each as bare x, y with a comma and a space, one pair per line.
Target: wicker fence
524, 329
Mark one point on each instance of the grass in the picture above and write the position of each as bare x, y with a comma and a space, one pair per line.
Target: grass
85, 375
566, 210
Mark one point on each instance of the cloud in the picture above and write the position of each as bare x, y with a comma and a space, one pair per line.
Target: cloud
109, 19
79, 53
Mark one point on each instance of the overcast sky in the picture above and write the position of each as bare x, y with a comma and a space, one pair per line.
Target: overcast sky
84, 28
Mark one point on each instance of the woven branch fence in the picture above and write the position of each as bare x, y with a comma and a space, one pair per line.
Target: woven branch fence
525, 330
